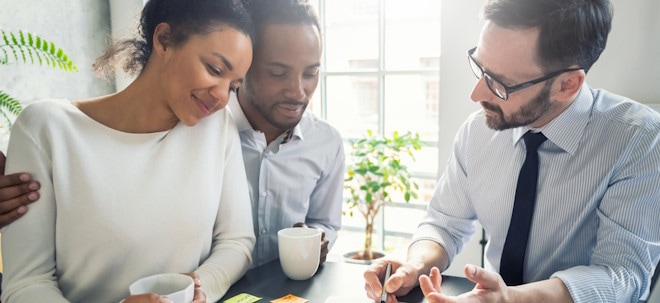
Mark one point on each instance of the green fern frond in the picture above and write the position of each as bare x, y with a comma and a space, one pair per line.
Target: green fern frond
30, 48
11, 105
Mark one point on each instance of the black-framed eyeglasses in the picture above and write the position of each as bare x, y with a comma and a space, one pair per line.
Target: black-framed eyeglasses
498, 88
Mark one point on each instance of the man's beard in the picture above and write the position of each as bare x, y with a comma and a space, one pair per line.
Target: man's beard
525, 116
267, 112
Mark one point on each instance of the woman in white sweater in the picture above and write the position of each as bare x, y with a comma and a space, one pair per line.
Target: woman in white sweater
148, 180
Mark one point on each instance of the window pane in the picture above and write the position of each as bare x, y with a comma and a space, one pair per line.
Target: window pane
426, 189
403, 220
411, 104
351, 33
353, 104
412, 34
393, 243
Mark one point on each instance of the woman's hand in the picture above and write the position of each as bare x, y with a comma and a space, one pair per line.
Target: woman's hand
200, 296
146, 298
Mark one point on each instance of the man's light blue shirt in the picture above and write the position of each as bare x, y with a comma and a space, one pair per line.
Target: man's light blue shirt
300, 180
595, 224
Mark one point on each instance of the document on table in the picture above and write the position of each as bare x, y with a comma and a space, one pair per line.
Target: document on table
347, 299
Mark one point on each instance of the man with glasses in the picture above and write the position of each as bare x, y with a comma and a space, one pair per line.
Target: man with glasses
564, 178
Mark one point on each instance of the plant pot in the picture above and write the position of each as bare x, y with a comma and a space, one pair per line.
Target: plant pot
357, 257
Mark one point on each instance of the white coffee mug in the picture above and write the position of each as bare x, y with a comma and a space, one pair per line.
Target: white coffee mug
300, 250
178, 288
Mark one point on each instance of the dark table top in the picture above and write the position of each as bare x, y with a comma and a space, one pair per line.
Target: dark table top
340, 279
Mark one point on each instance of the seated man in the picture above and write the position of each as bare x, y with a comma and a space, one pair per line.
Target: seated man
564, 178
293, 160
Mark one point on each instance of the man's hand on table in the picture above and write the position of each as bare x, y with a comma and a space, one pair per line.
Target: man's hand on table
402, 280
489, 287
324, 242
16, 192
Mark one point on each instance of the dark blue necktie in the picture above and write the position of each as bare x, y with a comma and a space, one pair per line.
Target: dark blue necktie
513, 254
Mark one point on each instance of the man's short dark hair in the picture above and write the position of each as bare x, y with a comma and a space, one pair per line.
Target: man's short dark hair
570, 31
268, 12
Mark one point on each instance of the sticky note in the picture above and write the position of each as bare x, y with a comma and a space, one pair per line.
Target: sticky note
290, 299
242, 298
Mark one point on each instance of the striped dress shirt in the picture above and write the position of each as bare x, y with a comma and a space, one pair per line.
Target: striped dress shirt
299, 177
595, 224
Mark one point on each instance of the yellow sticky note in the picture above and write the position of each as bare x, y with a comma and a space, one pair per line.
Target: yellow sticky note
290, 299
242, 298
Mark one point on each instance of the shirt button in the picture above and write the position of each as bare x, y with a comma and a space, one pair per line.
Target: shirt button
264, 231
263, 194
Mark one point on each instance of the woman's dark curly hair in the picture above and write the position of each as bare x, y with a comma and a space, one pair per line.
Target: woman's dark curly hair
185, 17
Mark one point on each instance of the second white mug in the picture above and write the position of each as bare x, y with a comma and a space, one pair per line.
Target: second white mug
300, 250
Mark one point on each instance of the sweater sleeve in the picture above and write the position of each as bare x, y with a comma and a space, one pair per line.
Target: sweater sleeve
233, 235
28, 245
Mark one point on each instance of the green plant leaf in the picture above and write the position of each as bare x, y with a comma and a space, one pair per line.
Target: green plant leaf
9, 105
375, 169
32, 49
25, 47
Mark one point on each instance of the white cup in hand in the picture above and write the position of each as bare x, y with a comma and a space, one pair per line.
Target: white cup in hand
178, 288
300, 250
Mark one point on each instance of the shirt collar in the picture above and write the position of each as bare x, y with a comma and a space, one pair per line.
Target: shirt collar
287, 136
566, 129
241, 120
243, 124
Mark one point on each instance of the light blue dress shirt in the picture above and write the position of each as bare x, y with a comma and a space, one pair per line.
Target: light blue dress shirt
301, 180
595, 224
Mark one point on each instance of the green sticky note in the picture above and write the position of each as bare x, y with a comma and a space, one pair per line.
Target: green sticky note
242, 298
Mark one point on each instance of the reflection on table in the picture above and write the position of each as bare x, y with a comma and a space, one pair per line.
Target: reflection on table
339, 280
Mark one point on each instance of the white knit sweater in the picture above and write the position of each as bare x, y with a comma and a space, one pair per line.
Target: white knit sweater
117, 206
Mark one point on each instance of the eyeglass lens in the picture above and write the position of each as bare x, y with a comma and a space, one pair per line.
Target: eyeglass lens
494, 86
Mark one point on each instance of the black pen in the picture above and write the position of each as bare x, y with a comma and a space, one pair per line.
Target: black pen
388, 271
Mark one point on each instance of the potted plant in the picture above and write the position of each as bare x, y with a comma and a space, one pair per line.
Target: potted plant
28, 48
375, 171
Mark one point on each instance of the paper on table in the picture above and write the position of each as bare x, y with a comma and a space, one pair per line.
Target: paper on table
243, 298
346, 299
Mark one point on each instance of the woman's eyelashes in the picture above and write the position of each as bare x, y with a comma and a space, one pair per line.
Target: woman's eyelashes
214, 71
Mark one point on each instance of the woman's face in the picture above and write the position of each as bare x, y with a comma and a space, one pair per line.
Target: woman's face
198, 75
